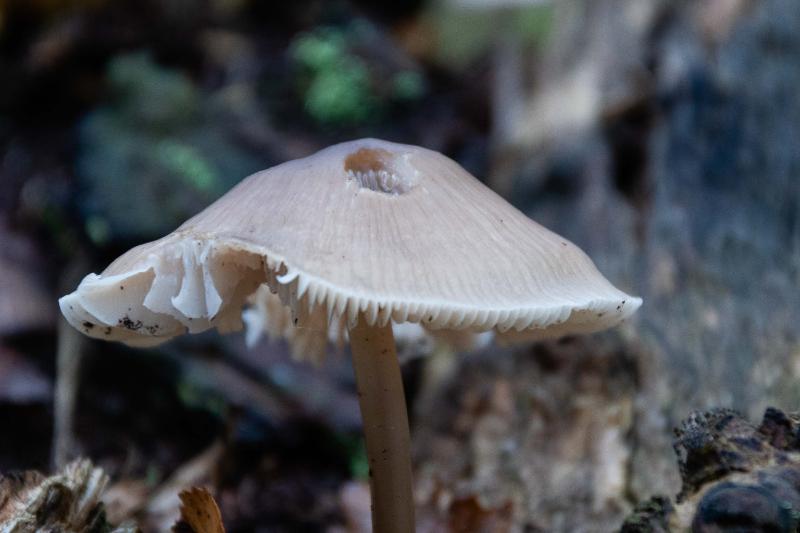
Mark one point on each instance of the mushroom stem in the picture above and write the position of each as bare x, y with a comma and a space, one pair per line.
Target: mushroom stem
385, 419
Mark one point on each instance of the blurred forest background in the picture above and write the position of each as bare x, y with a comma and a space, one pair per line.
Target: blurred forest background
661, 136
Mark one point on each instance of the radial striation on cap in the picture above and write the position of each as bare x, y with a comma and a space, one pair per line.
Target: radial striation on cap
390, 231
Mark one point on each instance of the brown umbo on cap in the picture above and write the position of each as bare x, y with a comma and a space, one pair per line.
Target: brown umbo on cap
390, 231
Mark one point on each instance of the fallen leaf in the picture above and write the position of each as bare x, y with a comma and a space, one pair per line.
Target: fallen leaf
468, 515
199, 513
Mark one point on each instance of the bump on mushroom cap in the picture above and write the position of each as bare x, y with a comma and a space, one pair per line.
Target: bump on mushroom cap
394, 232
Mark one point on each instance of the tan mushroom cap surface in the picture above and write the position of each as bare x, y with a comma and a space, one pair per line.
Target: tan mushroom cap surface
393, 231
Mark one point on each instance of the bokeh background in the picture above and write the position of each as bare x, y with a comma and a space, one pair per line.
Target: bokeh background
661, 136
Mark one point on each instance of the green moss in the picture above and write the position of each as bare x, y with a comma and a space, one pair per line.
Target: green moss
340, 87
152, 96
156, 153
359, 462
337, 83
355, 449
188, 164
341, 94
320, 51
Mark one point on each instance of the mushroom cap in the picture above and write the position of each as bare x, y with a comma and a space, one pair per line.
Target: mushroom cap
390, 231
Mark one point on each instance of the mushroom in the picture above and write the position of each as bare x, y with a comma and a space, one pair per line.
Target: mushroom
373, 233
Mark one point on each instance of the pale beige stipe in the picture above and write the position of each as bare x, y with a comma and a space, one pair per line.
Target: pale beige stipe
385, 420
393, 231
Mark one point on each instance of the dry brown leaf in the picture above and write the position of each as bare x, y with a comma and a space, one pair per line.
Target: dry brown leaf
199, 513
468, 515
